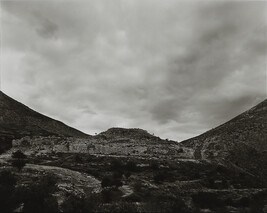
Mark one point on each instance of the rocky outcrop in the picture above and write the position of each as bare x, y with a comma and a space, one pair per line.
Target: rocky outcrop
123, 146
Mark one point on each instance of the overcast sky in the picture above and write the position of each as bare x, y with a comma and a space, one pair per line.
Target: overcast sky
173, 68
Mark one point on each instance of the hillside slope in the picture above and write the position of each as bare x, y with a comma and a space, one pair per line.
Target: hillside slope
241, 141
17, 120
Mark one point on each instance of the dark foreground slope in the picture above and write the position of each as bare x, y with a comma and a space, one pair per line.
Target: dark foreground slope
17, 120
241, 142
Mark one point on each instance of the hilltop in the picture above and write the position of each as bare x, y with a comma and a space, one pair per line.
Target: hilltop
134, 133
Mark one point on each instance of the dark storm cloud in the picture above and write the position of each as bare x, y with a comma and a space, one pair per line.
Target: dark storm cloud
173, 68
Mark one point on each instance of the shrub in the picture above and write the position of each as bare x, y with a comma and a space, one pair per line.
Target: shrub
180, 150
117, 175
110, 194
127, 174
106, 181
50, 204
117, 183
78, 159
178, 205
19, 154
244, 202
106, 195
121, 207
116, 164
138, 186
131, 166
154, 165
111, 181
159, 177
77, 204
39, 196
7, 191
229, 201
207, 200
196, 176
49, 183
135, 197
19, 164
25, 142
7, 178
258, 201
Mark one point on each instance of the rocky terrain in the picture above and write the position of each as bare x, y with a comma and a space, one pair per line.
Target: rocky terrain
117, 144
51, 167
241, 142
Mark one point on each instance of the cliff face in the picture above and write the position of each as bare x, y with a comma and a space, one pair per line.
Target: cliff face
17, 120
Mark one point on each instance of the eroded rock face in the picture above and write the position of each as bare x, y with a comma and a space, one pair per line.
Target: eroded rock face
122, 146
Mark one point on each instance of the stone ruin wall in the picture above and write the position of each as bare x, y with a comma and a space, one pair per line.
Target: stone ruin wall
96, 146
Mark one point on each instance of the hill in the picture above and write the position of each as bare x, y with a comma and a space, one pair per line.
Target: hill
133, 133
18, 120
241, 141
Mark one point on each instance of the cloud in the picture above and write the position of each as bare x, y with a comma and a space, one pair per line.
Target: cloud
173, 68
47, 29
